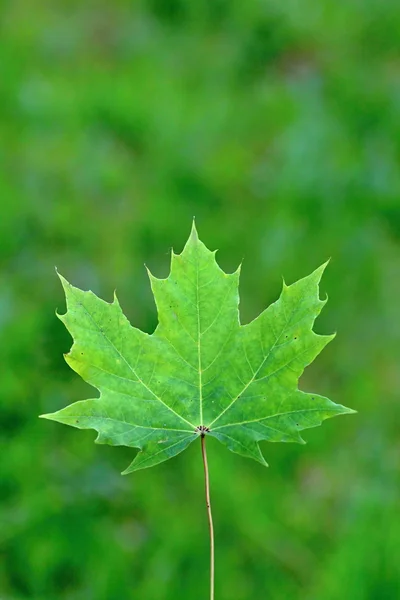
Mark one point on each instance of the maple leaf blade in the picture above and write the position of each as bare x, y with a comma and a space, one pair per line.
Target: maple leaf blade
199, 367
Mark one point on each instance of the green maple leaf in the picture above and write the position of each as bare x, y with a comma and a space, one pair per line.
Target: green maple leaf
201, 372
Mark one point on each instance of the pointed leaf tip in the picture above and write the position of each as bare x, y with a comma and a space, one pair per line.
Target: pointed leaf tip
48, 416
64, 282
238, 269
320, 270
115, 298
193, 232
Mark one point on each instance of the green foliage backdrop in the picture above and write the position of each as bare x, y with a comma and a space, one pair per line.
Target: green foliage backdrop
278, 125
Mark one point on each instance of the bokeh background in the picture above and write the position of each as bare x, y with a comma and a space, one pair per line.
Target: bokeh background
277, 124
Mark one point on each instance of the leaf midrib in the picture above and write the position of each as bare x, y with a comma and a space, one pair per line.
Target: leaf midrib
199, 338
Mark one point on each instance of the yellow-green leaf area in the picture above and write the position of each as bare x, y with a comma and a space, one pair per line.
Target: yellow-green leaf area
201, 371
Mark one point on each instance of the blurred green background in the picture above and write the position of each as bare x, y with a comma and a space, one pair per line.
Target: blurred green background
278, 125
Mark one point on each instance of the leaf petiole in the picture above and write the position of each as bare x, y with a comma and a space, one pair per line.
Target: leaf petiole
209, 513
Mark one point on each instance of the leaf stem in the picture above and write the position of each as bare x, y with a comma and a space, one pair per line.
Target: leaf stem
209, 514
